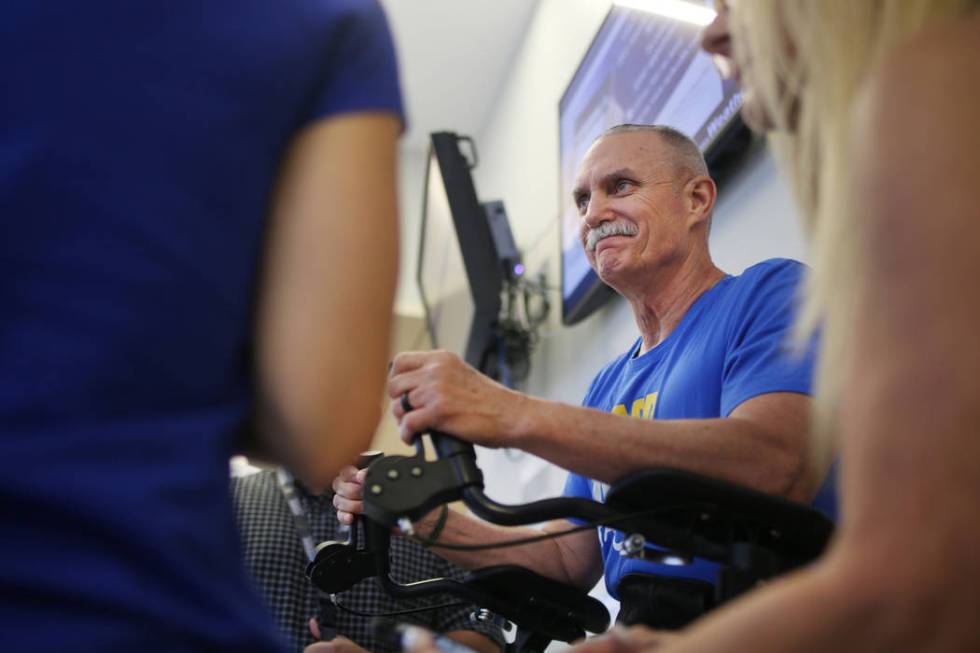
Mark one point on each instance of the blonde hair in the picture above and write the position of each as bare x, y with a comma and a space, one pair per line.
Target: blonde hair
807, 61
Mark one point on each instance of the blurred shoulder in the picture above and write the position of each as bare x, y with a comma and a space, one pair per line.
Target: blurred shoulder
934, 74
915, 147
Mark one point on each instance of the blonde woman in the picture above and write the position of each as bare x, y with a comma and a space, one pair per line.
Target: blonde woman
873, 107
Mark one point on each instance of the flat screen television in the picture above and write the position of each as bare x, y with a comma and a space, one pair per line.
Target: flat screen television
459, 272
641, 68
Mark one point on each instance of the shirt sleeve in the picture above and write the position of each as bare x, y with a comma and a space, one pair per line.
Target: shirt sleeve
360, 72
761, 357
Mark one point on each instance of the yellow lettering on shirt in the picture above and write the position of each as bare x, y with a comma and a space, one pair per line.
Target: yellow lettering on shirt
642, 407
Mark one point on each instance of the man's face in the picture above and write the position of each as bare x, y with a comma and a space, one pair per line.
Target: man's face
633, 218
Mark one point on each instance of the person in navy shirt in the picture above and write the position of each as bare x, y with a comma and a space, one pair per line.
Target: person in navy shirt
187, 190
710, 385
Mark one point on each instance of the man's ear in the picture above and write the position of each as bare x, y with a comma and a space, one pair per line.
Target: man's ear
700, 194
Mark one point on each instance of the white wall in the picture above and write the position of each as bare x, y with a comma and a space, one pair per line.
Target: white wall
411, 180
754, 220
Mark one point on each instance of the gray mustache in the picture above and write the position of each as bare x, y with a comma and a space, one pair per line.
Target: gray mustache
608, 229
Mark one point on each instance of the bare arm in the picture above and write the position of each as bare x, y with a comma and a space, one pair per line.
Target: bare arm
326, 293
762, 444
572, 559
903, 572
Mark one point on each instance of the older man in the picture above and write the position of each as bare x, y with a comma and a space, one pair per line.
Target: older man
709, 378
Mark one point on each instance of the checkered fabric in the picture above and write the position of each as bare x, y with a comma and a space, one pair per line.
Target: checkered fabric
275, 557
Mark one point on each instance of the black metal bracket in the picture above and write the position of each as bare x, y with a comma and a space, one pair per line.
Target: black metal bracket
411, 486
338, 566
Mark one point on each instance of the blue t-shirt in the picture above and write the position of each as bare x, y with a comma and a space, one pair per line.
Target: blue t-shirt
139, 148
731, 346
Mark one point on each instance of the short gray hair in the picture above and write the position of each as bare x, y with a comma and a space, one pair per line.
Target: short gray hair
687, 157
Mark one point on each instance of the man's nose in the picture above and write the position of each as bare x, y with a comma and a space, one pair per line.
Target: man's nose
597, 211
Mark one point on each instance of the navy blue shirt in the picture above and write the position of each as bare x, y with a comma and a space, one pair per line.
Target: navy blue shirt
732, 345
139, 145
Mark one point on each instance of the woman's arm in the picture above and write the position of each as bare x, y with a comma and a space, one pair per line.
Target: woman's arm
326, 293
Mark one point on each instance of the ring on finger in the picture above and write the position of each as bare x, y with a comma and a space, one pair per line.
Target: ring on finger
406, 404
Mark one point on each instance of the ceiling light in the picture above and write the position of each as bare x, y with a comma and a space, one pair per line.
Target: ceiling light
676, 9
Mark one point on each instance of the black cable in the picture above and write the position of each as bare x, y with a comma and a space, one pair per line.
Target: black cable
549, 536
399, 613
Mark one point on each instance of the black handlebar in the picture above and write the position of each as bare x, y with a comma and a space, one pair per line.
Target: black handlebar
755, 535
671, 508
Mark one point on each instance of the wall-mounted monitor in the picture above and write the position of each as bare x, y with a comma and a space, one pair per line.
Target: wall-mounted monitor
459, 272
641, 68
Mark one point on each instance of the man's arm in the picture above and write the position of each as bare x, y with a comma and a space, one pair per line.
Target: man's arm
762, 444
326, 293
571, 559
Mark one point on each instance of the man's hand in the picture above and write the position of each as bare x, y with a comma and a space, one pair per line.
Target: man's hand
446, 394
348, 496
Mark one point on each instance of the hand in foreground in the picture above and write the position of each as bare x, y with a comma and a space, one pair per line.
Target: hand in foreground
336, 645
437, 390
622, 639
348, 496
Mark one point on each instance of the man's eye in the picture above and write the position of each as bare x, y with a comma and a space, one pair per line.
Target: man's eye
581, 202
622, 185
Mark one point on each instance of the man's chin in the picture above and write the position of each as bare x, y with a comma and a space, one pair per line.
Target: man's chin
609, 273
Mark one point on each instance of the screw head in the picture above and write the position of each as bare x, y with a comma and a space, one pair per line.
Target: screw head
393, 474
416, 471
376, 490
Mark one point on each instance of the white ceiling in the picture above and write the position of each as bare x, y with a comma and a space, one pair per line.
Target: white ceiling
454, 56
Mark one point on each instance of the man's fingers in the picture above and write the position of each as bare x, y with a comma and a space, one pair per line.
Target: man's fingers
345, 475
399, 384
348, 505
410, 428
314, 627
409, 360
354, 491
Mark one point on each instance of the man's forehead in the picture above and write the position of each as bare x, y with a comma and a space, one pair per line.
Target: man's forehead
635, 150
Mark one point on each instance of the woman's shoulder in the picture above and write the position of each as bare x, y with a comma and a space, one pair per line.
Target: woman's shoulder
934, 69
915, 118
915, 150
